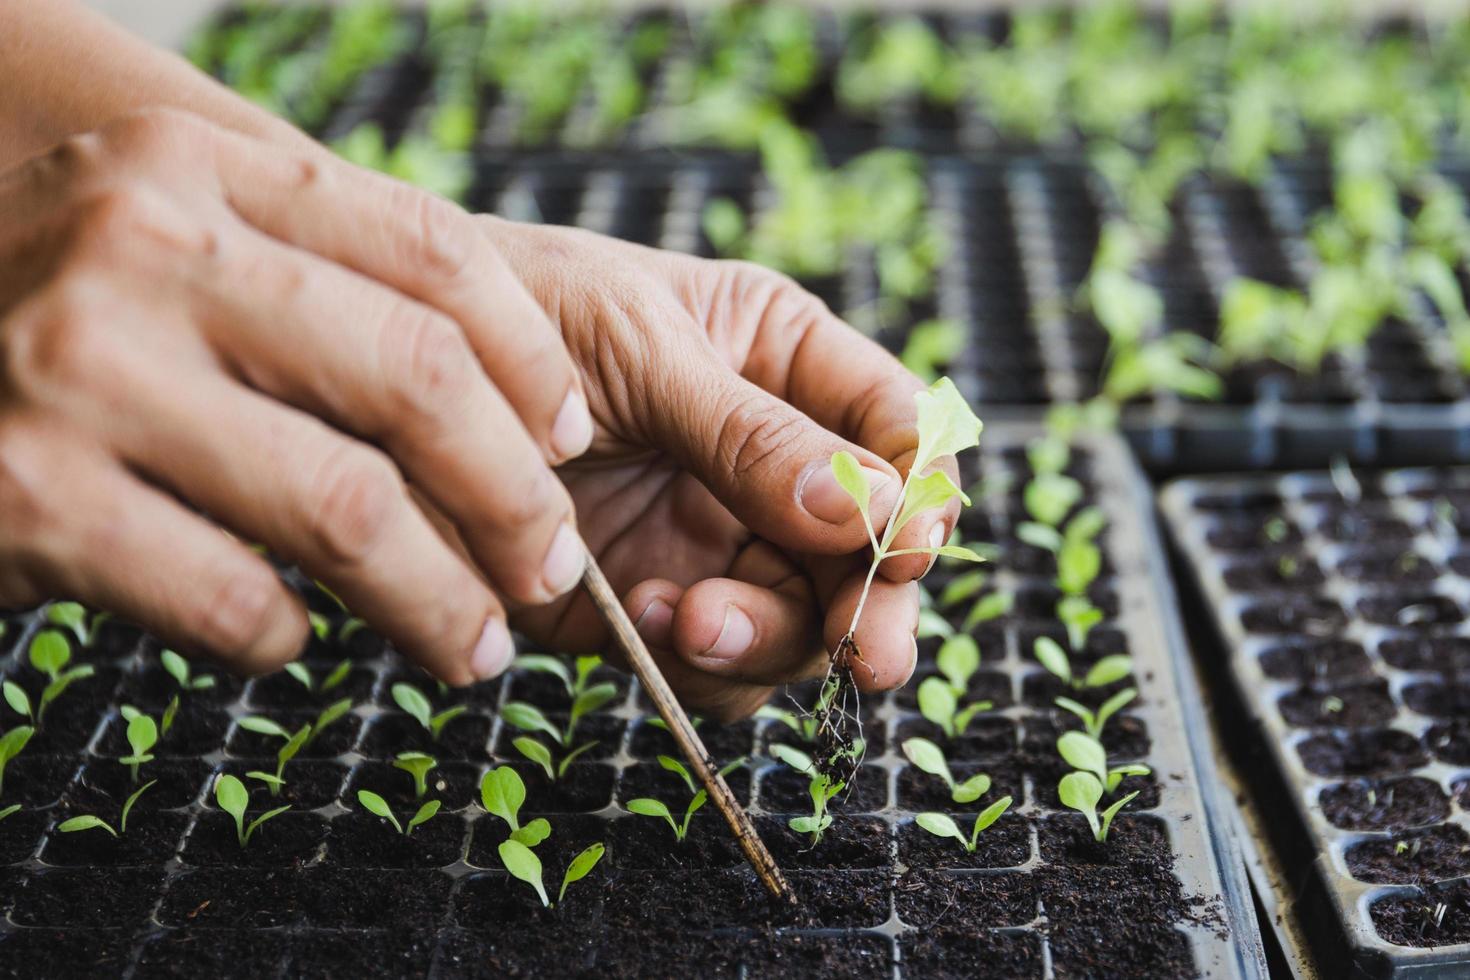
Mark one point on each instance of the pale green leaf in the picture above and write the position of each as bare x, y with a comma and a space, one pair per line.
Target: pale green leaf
413, 701
958, 659
580, 867
533, 833
1109, 670
937, 703
423, 816
928, 757
49, 652
85, 822
941, 825
945, 422
536, 752
1049, 654
502, 792
851, 478
529, 718
1081, 751
925, 493
971, 789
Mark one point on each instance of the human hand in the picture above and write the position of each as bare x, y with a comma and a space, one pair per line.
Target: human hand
720, 391
194, 320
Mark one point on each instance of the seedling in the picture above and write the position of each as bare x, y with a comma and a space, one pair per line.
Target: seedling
1085, 753
89, 822
502, 792
417, 705
1079, 616
941, 825
1082, 792
49, 653
822, 789
333, 678
12, 743
586, 697
649, 807
142, 733
375, 804
9, 810
938, 703
178, 668
1050, 497
525, 866
1108, 670
417, 765
1093, 722
930, 758
291, 746
73, 616
946, 426
234, 798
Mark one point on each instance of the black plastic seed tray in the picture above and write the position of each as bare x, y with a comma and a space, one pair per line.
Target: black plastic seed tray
328, 889
1341, 606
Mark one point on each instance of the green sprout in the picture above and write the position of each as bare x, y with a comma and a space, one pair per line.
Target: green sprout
1050, 497
961, 588
1093, 722
1086, 754
12, 743
939, 697
234, 799
9, 810
90, 822
142, 734
821, 787
292, 743
1079, 616
49, 653
929, 758
332, 680
649, 807
417, 705
502, 792
375, 804
524, 865
1108, 670
941, 825
417, 765
178, 668
74, 616
1082, 792
586, 697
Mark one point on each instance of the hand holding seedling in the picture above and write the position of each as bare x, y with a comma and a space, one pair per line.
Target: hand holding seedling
210, 315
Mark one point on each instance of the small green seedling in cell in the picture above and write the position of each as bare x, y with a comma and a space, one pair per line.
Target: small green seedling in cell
142, 734
1048, 454
234, 799
988, 607
178, 668
577, 680
331, 681
12, 743
821, 788
961, 588
290, 748
958, 659
941, 825
416, 704
90, 822
1108, 670
1085, 753
929, 757
73, 616
932, 624
1082, 792
418, 765
805, 726
649, 807
1093, 722
1050, 497
938, 704
375, 804
327, 717
524, 865
541, 755
49, 653
10, 810
502, 793
1079, 616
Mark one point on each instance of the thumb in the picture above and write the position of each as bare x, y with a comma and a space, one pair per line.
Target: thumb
768, 463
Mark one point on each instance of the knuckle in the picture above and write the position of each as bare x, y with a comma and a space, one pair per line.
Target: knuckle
441, 238
239, 613
753, 432
142, 133
352, 502
116, 215
436, 370
26, 487
54, 341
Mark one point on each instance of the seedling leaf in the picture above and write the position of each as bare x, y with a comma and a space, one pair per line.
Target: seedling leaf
437, 723
570, 757
127, 807
1082, 751
8, 811
85, 822
298, 670
328, 716
15, 696
1109, 670
263, 726
417, 765
958, 659
49, 652
502, 792
545, 664
580, 867
945, 422
849, 474
971, 789
425, 814
988, 816
537, 753
413, 701
941, 825
929, 758
937, 703
1049, 654
670, 764
528, 718
1081, 791
524, 865
533, 833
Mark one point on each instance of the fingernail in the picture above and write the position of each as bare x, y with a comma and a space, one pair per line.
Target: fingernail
823, 497
566, 559
936, 540
654, 624
494, 650
913, 660
571, 433
736, 635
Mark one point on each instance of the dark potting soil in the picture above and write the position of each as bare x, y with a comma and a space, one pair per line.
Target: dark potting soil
87, 897
462, 739
1387, 804
103, 785
725, 742
986, 736
310, 783
1436, 915
194, 733
454, 784
1125, 737
649, 779
151, 838
26, 954
1427, 653
919, 790
1367, 753
1360, 705
643, 900
235, 898
362, 840
783, 790
289, 840
586, 786
37, 781
1316, 660
190, 953
333, 741
930, 899
951, 952
1411, 857
1005, 844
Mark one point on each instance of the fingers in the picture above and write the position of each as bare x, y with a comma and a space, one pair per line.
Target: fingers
401, 375
846, 383
409, 240
337, 508
765, 461
122, 546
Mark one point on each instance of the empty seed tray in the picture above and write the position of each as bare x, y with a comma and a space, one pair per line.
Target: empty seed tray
327, 888
1341, 605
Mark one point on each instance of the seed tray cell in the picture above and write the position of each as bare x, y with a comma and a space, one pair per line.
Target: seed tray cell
1355, 683
328, 887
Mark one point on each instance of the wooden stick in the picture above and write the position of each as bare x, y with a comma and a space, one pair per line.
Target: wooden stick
683, 731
